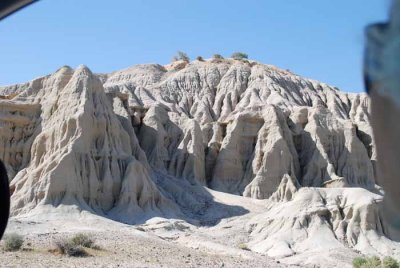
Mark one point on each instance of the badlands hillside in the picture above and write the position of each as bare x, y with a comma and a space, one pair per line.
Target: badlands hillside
208, 155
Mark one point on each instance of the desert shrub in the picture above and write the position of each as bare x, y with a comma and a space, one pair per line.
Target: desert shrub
239, 56
64, 246
217, 56
63, 67
243, 246
199, 58
181, 56
13, 242
389, 262
375, 262
83, 240
359, 262
75, 246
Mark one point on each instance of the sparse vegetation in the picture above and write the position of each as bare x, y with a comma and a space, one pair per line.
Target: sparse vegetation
359, 262
375, 262
64, 67
199, 58
83, 240
389, 262
243, 246
217, 56
13, 242
181, 56
68, 248
239, 56
75, 246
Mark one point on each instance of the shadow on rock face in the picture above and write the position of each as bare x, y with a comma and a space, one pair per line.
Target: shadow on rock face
196, 203
178, 172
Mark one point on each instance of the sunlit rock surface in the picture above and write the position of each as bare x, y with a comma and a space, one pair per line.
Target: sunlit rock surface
145, 141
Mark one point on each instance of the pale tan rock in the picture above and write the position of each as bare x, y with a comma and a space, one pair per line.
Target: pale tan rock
83, 155
142, 143
322, 220
233, 126
330, 149
19, 125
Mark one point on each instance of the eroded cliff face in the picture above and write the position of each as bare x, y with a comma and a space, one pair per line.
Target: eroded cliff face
81, 153
145, 140
251, 124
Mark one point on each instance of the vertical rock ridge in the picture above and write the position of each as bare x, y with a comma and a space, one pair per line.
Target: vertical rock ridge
95, 163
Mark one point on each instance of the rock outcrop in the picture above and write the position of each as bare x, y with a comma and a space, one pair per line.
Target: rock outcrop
325, 219
140, 141
257, 124
80, 152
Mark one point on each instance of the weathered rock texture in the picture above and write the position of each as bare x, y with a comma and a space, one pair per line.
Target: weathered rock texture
131, 143
240, 127
67, 146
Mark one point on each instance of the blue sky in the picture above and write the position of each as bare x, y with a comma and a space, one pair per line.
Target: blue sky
319, 39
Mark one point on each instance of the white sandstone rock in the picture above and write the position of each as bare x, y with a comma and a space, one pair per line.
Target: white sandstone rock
143, 142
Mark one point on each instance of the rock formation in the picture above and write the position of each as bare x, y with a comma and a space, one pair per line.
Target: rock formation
80, 152
257, 123
326, 219
131, 143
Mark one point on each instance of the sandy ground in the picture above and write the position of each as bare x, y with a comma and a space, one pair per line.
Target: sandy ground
127, 247
158, 242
